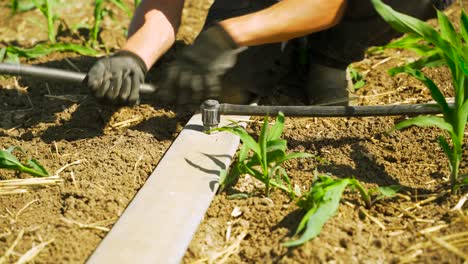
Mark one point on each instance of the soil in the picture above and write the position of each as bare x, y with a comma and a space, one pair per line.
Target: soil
110, 151
251, 230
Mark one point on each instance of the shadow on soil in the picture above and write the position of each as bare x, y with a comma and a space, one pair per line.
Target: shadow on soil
49, 101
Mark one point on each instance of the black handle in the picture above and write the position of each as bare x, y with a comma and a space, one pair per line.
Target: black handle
55, 74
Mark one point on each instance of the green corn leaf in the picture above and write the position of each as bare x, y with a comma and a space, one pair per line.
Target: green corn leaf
447, 30
434, 60
12, 58
244, 136
303, 222
445, 147
120, 4
326, 208
463, 115
435, 92
407, 24
2, 54
278, 144
277, 129
410, 42
9, 161
243, 153
34, 164
359, 84
464, 25
295, 155
45, 49
425, 121
26, 5
388, 191
262, 142
238, 196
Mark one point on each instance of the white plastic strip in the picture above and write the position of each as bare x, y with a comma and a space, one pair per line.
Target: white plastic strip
160, 222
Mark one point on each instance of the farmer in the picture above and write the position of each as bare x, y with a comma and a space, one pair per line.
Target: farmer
219, 65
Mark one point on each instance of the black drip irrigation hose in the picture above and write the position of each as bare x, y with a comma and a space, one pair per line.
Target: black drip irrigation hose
231, 109
330, 111
54, 74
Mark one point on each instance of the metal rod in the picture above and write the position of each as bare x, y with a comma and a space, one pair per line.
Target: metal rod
55, 74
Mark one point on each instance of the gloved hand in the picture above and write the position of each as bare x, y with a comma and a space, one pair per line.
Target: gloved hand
196, 73
117, 78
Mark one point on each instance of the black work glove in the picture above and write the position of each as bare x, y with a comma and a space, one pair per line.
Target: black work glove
196, 73
117, 78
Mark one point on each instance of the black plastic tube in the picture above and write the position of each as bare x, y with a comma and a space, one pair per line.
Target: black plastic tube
330, 111
54, 74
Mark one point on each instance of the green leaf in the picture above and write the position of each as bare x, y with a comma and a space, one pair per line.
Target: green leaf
389, 191
11, 162
359, 84
262, 142
238, 196
425, 121
2, 54
407, 24
464, 25
445, 147
8, 160
326, 208
410, 42
120, 4
34, 164
278, 144
244, 136
243, 153
45, 49
295, 155
434, 60
277, 129
447, 30
436, 94
463, 115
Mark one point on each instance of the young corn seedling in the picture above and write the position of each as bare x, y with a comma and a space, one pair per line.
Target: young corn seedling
357, 78
263, 159
12, 54
450, 48
11, 162
46, 9
21, 6
322, 201
99, 13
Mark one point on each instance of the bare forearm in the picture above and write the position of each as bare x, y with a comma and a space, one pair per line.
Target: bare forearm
153, 28
285, 20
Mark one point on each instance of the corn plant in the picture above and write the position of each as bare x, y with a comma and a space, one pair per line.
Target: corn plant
99, 13
357, 78
13, 54
322, 201
263, 159
46, 9
11, 162
20, 6
450, 48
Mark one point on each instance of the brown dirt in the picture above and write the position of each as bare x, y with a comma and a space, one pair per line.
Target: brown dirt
119, 147
350, 147
59, 124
